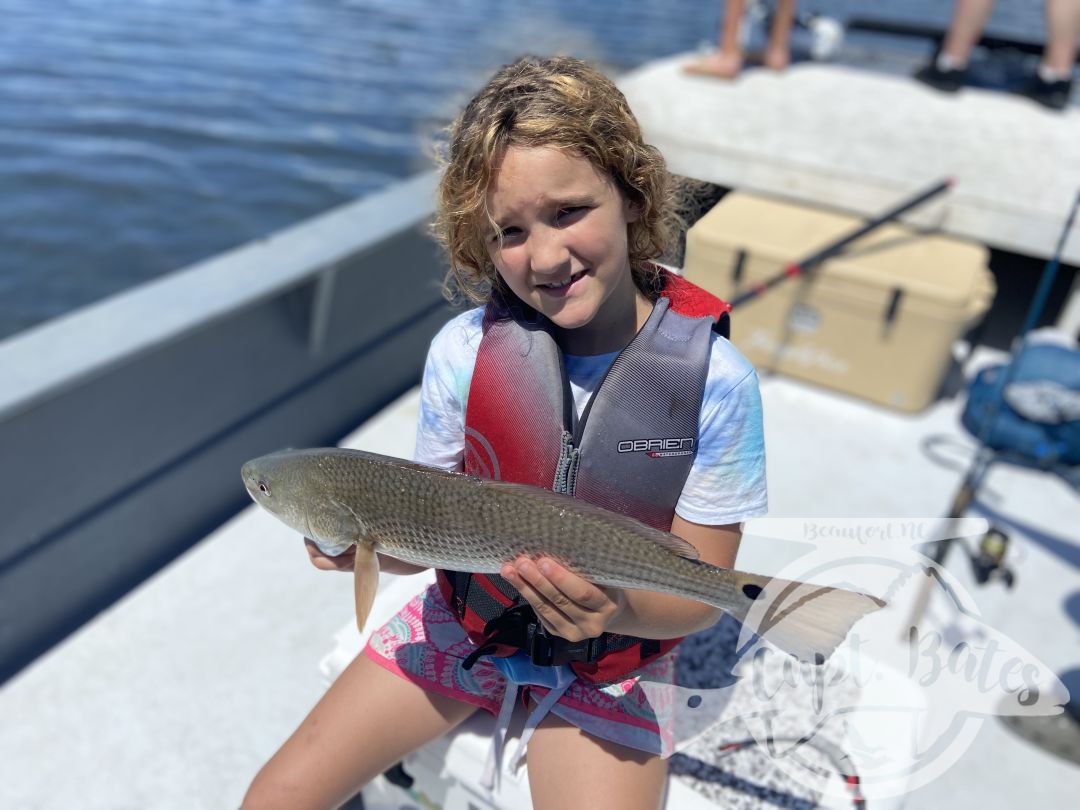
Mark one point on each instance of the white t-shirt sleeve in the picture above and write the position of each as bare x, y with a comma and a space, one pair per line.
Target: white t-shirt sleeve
444, 392
727, 480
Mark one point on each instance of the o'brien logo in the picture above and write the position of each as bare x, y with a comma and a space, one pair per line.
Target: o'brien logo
658, 448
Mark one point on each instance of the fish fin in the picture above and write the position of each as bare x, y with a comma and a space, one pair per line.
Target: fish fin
806, 620
676, 545
365, 581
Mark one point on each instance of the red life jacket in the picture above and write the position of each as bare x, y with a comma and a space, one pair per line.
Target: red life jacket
630, 451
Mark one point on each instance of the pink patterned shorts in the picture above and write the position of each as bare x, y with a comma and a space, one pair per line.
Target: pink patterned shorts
425, 644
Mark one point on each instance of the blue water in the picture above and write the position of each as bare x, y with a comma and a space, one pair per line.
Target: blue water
139, 136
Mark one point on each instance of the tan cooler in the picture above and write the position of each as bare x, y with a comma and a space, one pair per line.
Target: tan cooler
877, 321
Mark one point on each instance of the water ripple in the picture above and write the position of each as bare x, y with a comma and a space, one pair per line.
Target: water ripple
141, 135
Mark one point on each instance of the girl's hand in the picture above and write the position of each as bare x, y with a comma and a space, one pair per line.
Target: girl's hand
345, 561
567, 605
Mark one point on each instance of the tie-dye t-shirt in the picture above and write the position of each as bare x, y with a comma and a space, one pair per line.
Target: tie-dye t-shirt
727, 480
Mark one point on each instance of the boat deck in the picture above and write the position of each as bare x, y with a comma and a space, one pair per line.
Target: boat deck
860, 141
174, 696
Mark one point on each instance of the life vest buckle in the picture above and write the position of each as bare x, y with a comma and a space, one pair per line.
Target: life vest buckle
517, 627
553, 651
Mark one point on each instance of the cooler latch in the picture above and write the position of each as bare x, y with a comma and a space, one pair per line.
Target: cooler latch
893, 307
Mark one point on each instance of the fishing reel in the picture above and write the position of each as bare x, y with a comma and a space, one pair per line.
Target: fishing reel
988, 560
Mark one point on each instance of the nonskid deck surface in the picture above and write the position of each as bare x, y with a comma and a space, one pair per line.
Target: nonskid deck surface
843, 136
210, 664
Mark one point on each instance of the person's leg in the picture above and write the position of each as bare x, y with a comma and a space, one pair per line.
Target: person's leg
778, 51
367, 721
948, 70
727, 61
1051, 83
1062, 34
730, 29
570, 769
969, 19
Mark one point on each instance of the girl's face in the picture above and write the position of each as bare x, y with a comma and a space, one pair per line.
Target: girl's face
564, 247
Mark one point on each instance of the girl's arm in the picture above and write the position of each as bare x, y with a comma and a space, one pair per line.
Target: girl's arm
576, 609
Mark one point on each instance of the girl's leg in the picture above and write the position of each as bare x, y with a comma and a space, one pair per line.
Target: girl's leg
367, 721
570, 769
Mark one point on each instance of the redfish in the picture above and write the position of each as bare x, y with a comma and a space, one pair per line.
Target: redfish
435, 518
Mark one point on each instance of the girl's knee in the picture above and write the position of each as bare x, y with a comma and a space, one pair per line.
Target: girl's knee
266, 793
274, 788
260, 796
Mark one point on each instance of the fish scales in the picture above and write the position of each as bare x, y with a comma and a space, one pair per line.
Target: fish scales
431, 517
436, 518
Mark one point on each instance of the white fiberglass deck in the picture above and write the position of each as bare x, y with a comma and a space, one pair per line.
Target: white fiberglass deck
176, 695
861, 140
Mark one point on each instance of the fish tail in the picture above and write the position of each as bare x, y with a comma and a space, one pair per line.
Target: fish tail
806, 620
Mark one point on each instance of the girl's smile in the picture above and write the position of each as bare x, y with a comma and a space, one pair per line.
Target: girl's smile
561, 246
561, 288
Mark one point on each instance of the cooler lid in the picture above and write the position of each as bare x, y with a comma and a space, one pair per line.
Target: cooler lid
942, 269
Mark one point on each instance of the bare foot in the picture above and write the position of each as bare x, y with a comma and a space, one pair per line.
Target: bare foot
720, 64
777, 58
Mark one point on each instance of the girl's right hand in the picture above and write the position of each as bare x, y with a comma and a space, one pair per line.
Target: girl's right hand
345, 561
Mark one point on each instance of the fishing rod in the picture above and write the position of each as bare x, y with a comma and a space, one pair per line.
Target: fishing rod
984, 457
796, 269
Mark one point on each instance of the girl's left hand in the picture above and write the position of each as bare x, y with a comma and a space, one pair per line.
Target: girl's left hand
567, 605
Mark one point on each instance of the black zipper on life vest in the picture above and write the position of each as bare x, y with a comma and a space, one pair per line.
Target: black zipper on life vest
565, 479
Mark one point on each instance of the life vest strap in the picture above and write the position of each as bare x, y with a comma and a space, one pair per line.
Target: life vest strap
519, 628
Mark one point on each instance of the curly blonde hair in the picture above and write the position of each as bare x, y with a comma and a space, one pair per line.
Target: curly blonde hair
559, 102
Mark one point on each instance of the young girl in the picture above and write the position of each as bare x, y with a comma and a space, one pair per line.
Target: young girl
587, 370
